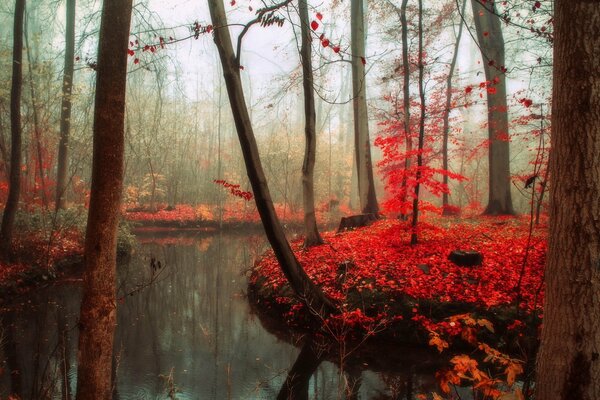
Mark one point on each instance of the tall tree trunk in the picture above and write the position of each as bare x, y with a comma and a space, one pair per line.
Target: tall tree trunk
446, 128
305, 289
65, 110
415, 210
12, 202
405, 99
98, 308
362, 143
311, 231
491, 43
568, 365
37, 130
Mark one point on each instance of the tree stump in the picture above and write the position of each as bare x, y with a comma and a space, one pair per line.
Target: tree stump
356, 221
466, 258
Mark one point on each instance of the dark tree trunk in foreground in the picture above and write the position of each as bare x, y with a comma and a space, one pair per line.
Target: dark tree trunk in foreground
446, 128
12, 202
98, 307
362, 143
568, 365
306, 290
491, 43
311, 231
65, 111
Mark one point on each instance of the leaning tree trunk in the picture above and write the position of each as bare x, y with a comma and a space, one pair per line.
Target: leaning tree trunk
446, 128
362, 143
491, 43
65, 111
305, 289
12, 202
311, 231
98, 307
568, 365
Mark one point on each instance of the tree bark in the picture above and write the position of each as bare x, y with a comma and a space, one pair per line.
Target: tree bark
446, 128
305, 289
98, 307
65, 111
362, 143
12, 202
568, 364
405, 99
491, 43
37, 131
311, 231
415, 210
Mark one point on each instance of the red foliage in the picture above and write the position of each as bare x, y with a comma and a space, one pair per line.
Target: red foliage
382, 259
234, 189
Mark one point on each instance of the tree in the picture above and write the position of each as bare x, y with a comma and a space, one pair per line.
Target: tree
65, 110
415, 209
12, 203
311, 231
568, 365
362, 143
405, 91
304, 288
98, 308
491, 44
446, 128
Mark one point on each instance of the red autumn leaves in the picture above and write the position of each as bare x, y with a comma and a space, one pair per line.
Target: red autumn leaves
382, 259
314, 25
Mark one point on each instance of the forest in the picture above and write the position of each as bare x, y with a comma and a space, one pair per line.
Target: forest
292, 199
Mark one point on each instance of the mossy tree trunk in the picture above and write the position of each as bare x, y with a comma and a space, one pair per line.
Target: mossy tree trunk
311, 231
491, 43
14, 189
66, 105
362, 143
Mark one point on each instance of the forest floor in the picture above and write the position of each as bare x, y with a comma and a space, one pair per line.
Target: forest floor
385, 285
39, 258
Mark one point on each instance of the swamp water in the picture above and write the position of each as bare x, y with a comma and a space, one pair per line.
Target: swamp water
185, 331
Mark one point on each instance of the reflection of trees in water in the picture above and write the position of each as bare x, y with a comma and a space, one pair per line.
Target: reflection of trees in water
39, 344
193, 319
401, 381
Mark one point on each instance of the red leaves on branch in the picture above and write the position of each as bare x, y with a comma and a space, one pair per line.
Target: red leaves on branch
234, 189
319, 16
314, 25
526, 102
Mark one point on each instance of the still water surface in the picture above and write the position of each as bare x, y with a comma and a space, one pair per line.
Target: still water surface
184, 330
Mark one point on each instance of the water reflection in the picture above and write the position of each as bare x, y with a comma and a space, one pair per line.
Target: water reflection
185, 330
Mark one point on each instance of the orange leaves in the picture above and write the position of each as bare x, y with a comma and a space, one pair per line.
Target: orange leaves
513, 370
436, 341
